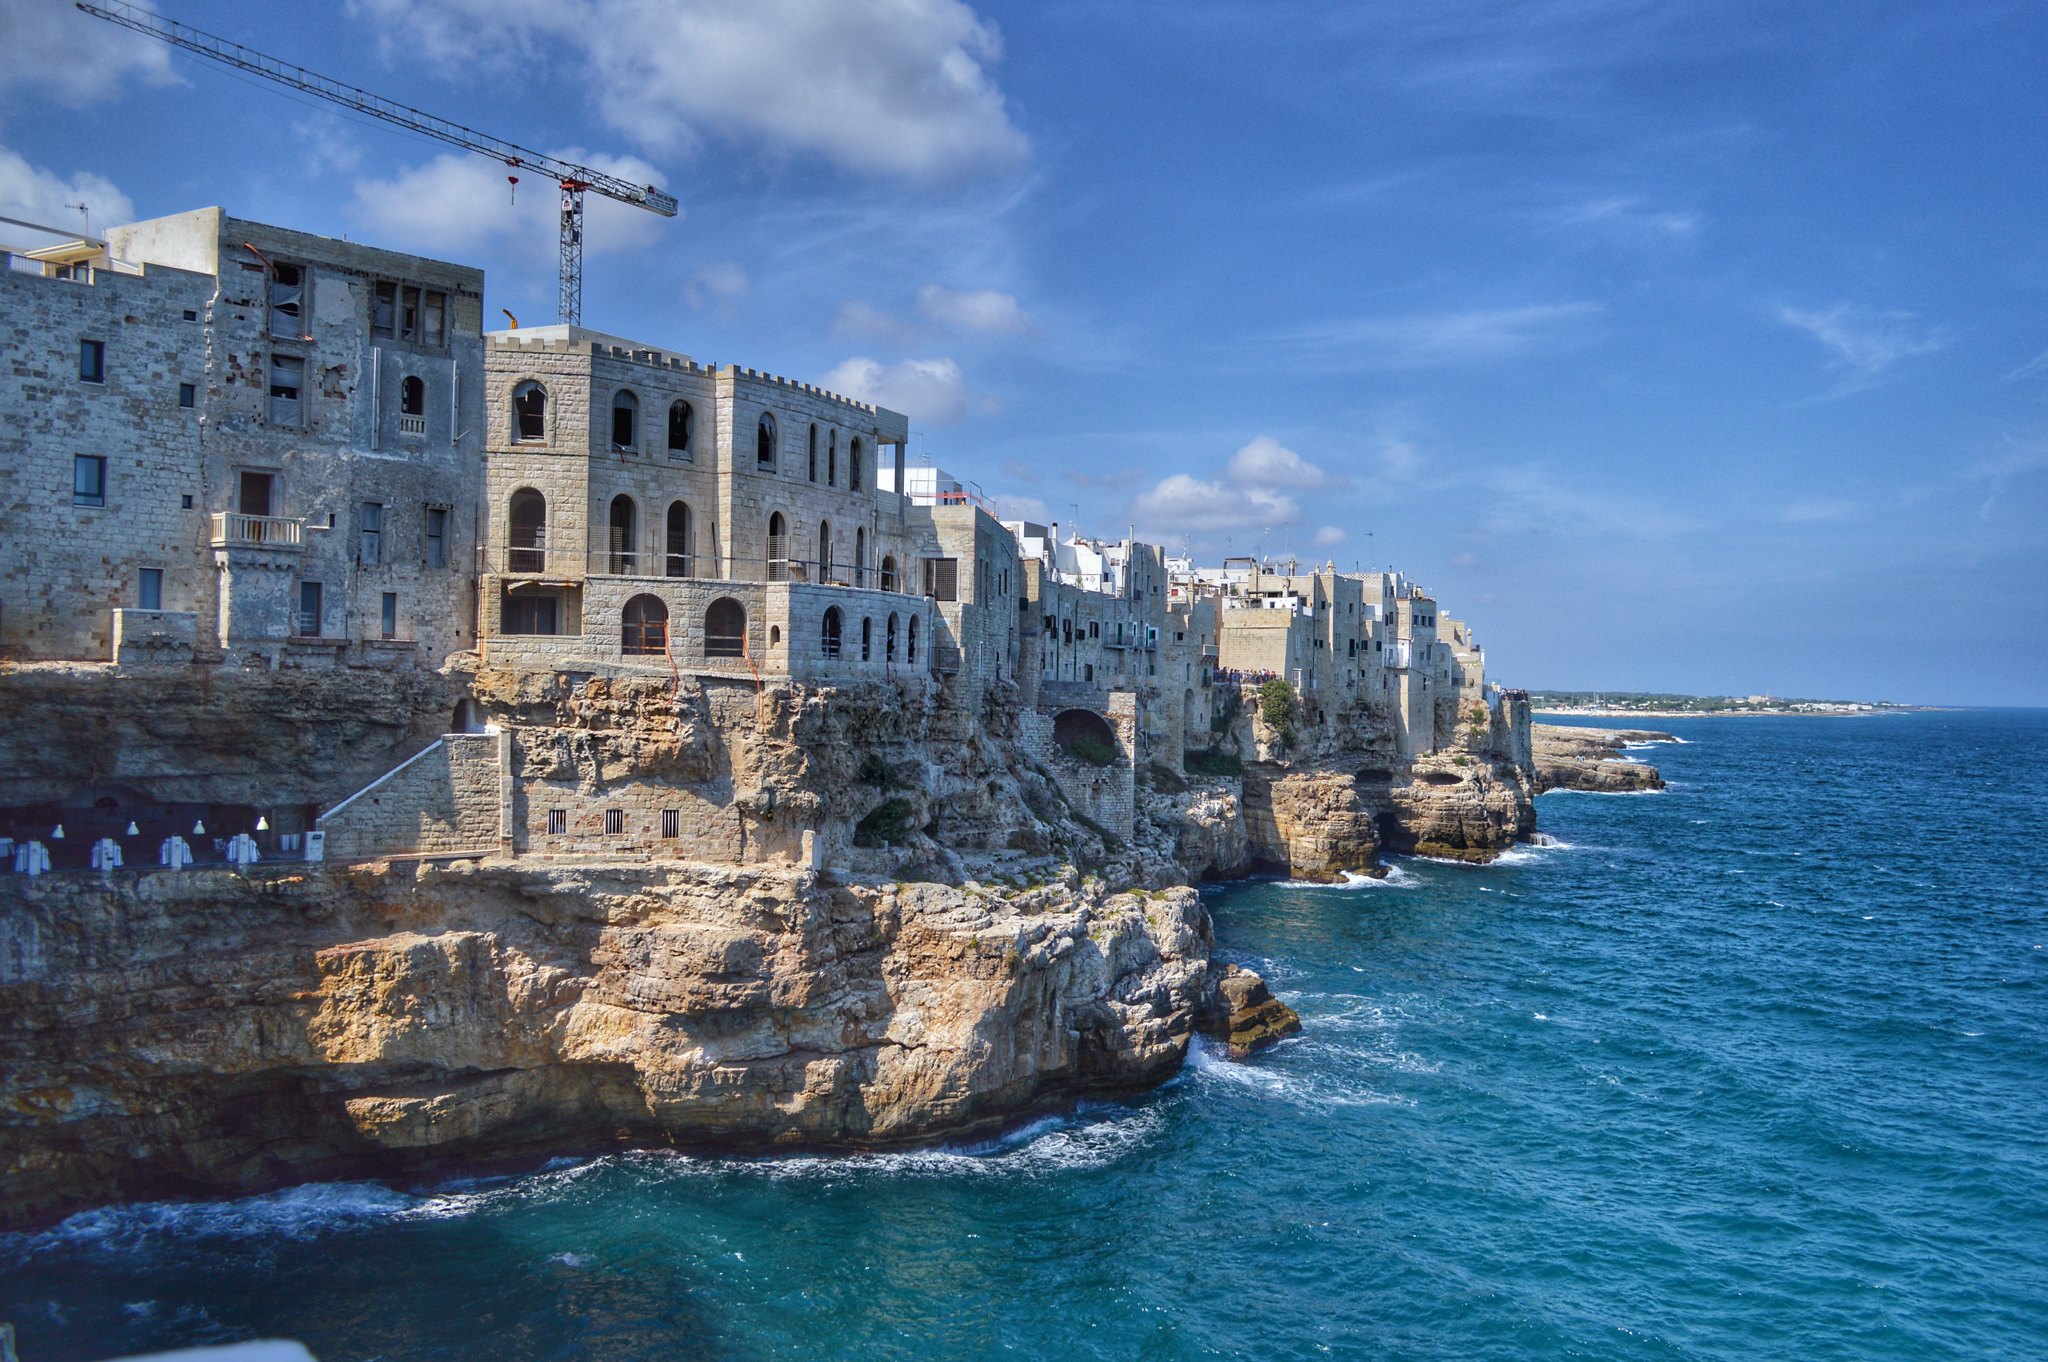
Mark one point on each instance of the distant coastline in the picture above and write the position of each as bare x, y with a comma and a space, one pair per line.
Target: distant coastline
1793, 710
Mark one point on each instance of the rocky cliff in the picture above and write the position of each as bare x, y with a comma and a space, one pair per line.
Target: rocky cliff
1573, 758
207, 1032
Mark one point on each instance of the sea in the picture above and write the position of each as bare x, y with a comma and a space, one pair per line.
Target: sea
1753, 1067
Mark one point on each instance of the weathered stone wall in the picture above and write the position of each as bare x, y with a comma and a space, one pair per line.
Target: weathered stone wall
64, 565
1106, 795
451, 797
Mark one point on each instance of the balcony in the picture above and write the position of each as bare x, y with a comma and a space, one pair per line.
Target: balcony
234, 530
412, 425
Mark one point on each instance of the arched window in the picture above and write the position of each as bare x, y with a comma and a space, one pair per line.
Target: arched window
910, 639
624, 561
824, 552
529, 413
888, 572
889, 639
764, 439
643, 627
853, 465
680, 421
778, 548
860, 555
526, 539
625, 420
828, 634
412, 398
867, 638
725, 628
774, 635
832, 459
678, 539
814, 451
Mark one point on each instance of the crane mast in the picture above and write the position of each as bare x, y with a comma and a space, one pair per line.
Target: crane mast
574, 180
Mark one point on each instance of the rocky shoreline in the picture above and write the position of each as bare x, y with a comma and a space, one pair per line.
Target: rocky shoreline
1592, 759
210, 1032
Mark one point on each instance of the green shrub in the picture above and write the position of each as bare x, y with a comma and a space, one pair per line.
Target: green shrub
1093, 751
1214, 764
873, 770
1276, 707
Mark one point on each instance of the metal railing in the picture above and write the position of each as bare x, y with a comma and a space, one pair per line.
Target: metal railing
232, 528
412, 425
538, 560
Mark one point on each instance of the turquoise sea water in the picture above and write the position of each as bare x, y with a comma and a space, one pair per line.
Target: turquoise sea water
1756, 1067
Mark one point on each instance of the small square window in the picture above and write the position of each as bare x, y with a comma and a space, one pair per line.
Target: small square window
88, 480
558, 821
191, 314
184, 501
92, 361
671, 822
188, 394
614, 822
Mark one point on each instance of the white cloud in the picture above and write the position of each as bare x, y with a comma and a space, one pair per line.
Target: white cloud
461, 206
1266, 462
1329, 536
1819, 512
889, 87
1864, 340
76, 58
2033, 368
1431, 339
1185, 504
720, 282
37, 195
982, 310
923, 389
1630, 219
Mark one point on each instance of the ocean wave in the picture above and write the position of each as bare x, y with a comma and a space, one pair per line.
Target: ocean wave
1395, 878
295, 1213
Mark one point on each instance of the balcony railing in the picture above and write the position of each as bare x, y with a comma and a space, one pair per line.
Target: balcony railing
231, 529
412, 425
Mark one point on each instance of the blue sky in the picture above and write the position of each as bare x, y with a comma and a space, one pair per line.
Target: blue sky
1689, 346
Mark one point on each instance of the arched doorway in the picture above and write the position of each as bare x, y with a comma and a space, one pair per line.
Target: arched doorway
678, 564
778, 548
526, 540
867, 638
860, 555
624, 562
824, 552
910, 641
725, 628
643, 627
889, 640
888, 572
829, 631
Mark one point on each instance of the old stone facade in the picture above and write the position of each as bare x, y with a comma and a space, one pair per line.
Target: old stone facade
276, 433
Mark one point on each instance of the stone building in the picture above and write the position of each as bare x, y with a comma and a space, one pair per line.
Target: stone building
263, 443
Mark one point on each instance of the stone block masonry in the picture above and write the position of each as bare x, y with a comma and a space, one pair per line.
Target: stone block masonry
449, 798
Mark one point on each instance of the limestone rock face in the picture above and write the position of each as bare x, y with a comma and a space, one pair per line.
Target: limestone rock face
1206, 826
207, 1033
1312, 824
1243, 1013
1459, 806
1573, 758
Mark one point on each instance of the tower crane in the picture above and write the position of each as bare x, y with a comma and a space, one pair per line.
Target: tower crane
574, 180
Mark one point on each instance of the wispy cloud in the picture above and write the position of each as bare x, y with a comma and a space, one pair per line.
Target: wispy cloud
1433, 339
1265, 462
933, 390
1183, 504
1529, 499
1628, 219
983, 310
2033, 368
718, 283
1819, 512
1864, 341
75, 58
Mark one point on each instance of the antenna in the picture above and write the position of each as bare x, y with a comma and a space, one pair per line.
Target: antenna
574, 179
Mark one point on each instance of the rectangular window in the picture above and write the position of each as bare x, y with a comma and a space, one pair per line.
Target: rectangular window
384, 311
289, 285
437, 536
309, 610
149, 592
188, 394
254, 495
671, 822
558, 821
409, 312
390, 614
88, 480
287, 377
433, 318
184, 501
529, 615
942, 578
370, 533
92, 361
614, 822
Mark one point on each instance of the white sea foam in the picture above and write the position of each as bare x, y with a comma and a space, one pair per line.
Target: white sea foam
295, 1213
1395, 878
